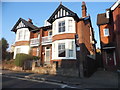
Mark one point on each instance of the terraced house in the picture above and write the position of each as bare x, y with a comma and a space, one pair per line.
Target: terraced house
64, 39
109, 27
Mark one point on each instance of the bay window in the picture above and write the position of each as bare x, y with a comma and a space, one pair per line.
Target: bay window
23, 34
64, 49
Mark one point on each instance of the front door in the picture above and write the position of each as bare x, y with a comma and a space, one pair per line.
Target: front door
47, 55
111, 60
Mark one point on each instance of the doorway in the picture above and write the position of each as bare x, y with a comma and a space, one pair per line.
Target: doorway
47, 55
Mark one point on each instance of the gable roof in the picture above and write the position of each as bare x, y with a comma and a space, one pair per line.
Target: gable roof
64, 11
116, 4
101, 19
27, 24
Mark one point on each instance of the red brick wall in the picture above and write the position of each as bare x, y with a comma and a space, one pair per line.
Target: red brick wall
63, 36
69, 63
83, 32
104, 40
116, 21
34, 51
45, 33
33, 35
19, 43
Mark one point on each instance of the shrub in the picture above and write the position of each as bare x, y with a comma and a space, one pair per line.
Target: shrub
9, 56
20, 58
36, 58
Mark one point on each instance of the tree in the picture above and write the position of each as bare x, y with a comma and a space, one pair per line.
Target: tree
5, 45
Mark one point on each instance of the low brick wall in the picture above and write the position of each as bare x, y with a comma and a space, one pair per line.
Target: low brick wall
48, 69
67, 72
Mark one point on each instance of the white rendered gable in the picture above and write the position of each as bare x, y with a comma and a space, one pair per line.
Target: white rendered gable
20, 25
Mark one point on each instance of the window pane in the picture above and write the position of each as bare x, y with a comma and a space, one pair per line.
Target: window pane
61, 53
70, 53
61, 27
61, 50
106, 32
63, 23
71, 48
60, 24
20, 35
50, 33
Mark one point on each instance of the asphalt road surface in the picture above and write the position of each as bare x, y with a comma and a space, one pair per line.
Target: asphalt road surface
8, 82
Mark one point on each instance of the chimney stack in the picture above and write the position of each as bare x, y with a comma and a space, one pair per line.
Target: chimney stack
30, 20
84, 9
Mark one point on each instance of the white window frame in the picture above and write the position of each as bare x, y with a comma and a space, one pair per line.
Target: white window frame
49, 32
106, 32
55, 24
70, 24
61, 48
67, 48
61, 27
25, 34
71, 49
20, 35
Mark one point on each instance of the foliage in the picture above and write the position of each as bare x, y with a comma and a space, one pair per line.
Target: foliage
9, 55
36, 58
4, 45
21, 58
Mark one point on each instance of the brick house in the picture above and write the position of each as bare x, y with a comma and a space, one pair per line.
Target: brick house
55, 41
109, 28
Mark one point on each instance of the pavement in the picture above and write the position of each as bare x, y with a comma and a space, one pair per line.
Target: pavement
100, 79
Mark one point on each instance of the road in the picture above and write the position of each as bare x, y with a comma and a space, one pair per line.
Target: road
10, 80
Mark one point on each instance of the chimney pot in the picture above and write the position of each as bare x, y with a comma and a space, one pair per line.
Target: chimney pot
84, 9
30, 20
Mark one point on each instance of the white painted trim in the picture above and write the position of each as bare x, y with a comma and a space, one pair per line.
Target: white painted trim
115, 5
108, 47
107, 14
46, 43
114, 58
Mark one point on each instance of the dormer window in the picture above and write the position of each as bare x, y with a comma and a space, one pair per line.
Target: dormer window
61, 27
106, 32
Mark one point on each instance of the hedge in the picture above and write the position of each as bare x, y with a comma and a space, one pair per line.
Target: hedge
20, 58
